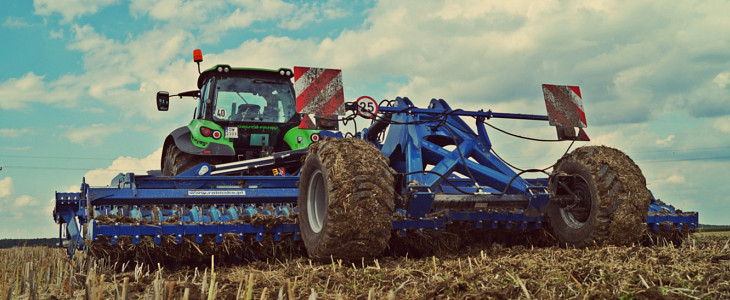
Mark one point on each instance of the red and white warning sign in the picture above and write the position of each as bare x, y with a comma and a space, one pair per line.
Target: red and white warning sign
319, 92
564, 106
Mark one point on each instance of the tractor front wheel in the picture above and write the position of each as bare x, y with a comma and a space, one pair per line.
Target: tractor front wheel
175, 161
346, 200
609, 201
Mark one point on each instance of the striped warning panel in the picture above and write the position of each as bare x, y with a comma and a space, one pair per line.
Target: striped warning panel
564, 106
319, 92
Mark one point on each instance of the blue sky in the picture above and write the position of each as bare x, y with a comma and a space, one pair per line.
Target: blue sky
80, 76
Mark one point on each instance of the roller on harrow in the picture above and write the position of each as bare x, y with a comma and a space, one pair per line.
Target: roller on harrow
263, 167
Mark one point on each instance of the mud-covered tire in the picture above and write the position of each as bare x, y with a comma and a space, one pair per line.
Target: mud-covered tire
175, 161
614, 199
346, 200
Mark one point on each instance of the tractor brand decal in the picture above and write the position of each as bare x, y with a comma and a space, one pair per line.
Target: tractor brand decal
258, 127
319, 92
217, 193
564, 106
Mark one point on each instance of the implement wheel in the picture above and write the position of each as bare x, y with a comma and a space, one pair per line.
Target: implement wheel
609, 201
346, 200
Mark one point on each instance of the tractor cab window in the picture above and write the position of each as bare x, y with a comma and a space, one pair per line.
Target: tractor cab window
204, 96
240, 99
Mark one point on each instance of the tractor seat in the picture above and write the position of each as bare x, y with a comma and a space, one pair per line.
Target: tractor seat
248, 112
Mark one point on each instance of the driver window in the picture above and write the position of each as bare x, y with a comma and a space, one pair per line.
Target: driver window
201, 102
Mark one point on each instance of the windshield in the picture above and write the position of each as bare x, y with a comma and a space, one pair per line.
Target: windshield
248, 99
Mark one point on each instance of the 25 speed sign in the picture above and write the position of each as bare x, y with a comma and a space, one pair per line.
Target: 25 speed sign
366, 107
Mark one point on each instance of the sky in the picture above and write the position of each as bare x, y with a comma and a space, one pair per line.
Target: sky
79, 79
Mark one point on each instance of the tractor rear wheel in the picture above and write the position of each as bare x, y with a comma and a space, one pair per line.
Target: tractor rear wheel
610, 201
175, 161
346, 200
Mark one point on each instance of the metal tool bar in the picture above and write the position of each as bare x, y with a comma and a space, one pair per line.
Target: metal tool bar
486, 114
480, 201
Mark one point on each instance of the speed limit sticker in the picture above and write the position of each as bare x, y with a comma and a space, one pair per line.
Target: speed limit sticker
366, 107
221, 113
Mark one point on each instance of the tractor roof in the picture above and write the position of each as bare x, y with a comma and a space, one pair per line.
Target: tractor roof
248, 72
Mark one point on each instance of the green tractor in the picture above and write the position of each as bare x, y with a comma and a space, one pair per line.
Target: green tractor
242, 114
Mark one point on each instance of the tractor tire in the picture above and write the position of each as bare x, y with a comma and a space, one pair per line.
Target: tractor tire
346, 200
614, 201
175, 161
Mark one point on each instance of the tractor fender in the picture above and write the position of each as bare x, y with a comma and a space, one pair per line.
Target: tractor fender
181, 137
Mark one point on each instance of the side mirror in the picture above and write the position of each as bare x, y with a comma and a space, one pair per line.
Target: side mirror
163, 100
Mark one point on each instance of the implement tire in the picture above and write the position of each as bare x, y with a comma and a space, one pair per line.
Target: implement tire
614, 201
346, 200
175, 161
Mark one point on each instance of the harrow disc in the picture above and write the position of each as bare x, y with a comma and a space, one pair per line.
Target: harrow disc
170, 249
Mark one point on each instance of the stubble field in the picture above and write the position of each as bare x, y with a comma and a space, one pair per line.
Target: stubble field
698, 269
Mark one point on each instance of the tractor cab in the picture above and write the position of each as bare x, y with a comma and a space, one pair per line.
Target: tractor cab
242, 113
246, 96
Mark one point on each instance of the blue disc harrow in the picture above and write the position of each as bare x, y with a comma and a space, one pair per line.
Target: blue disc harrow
463, 184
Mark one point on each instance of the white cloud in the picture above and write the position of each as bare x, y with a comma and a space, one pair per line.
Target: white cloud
94, 110
722, 124
124, 164
676, 179
192, 12
24, 89
623, 54
722, 79
91, 134
308, 13
25, 200
12, 133
665, 142
6, 187
69, 9
56, 34
243, 16
131, 76
15, 22
499, 52
32, 88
